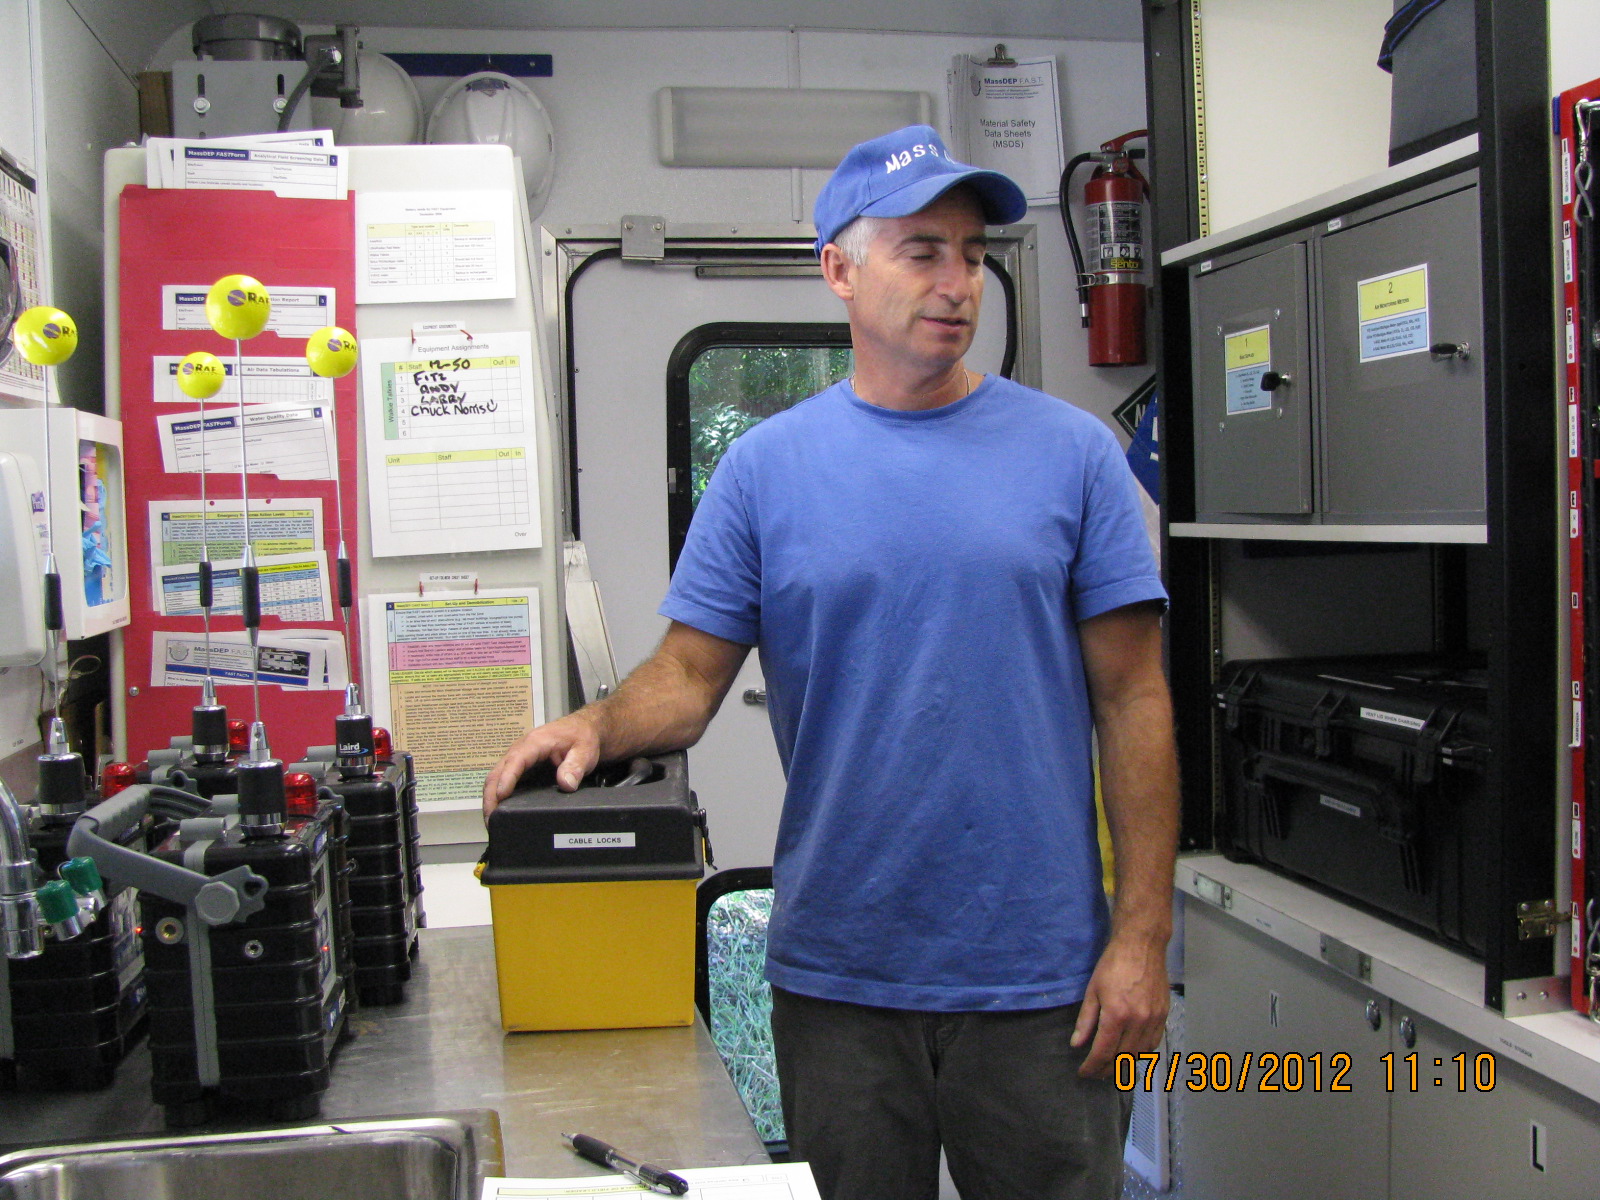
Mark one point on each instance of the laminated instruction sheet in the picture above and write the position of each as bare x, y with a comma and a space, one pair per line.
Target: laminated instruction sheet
1393, 313
456, 677
291, 441
451, 442
1246, 357
296, 311
767, 1181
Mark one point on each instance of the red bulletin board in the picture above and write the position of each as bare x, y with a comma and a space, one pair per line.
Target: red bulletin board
173, 236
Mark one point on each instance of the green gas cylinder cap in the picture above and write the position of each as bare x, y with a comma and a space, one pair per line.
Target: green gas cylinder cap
83, 875
57, 901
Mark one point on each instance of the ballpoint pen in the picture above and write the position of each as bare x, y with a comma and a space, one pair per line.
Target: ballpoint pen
646, 1175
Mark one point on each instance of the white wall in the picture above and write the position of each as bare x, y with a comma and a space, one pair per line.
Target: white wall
1294, 101
1574, 43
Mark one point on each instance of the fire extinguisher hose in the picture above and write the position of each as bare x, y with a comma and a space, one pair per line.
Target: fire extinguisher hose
1072, 233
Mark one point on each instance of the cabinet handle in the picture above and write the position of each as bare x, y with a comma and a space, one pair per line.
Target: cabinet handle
1271, 381
1374, 1015
1408, 1032
1449, 349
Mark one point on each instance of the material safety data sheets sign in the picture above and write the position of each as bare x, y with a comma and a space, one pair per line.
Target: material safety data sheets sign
456, 677
452, 450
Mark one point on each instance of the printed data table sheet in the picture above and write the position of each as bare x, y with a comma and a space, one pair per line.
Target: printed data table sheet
457, 677
451, 445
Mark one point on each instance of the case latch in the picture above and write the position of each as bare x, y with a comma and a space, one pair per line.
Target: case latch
1539, 919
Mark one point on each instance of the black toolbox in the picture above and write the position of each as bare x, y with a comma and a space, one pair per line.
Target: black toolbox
1367, 776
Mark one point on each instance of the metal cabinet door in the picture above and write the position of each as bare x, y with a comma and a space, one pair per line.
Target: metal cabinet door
1469, 1127
1402, 428
1252, 445
1246, 994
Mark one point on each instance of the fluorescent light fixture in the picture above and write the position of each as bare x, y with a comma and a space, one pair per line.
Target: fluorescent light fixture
777, 127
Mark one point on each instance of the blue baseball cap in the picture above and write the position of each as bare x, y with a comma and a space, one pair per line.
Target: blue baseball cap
902, 173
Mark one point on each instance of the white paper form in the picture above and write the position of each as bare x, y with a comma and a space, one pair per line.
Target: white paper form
1008, 118
160, 152
452, 460
456, 677
771, 1181
278, 525
294, 587
307, 172
289, 441
296, 311
266, 381
431, 247
299, 664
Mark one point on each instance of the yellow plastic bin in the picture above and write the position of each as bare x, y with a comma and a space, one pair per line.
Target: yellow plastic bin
593, 896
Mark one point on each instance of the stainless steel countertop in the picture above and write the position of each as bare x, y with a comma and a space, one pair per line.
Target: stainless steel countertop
661, 1094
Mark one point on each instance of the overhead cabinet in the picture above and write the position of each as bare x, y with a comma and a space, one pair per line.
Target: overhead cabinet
1335, 373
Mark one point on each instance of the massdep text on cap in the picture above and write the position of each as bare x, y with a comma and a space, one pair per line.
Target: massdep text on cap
902, 173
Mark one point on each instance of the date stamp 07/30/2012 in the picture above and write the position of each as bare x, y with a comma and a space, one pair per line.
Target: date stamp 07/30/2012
1271, 1071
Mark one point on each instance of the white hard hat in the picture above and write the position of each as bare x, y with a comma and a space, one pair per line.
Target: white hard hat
488, 108
390, 112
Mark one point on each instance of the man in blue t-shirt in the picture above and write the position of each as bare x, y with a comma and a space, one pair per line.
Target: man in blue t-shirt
952, 592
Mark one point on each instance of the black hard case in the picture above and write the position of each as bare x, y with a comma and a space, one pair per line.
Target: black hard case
1366, 776
661, 814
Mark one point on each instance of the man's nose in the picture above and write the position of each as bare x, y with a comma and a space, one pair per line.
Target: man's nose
955, 282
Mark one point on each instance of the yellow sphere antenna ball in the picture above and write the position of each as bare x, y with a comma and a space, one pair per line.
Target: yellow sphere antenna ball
238, 307
201, 375
331, 352
45, 336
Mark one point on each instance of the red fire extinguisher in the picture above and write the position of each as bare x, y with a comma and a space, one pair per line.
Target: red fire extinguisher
1111, 284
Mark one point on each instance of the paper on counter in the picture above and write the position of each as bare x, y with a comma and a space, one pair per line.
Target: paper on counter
294, 587
296, 311
289, 441
430, 247
299, 664
266, 381
455, 678
769, 1181
451, 445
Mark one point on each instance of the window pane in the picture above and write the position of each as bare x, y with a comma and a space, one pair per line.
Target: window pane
732, 388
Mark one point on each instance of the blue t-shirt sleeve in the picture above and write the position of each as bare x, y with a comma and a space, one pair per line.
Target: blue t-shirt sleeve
1114, 565
716, 586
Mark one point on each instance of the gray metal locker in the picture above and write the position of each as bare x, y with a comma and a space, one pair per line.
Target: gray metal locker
1252, 387
1402, 430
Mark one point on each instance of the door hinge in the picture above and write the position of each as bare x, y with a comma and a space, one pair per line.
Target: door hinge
1539, 919
644, 237
672, 479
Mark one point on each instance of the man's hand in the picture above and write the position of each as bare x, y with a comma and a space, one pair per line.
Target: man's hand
571, 743
1125, 1007
664, 704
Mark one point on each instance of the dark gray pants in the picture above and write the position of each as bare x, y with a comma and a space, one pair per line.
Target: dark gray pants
870, 1094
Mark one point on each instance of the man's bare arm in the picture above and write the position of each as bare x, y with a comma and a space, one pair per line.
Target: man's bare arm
664, 704
1125, 1006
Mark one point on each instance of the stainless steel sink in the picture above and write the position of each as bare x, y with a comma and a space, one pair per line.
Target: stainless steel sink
443, 1157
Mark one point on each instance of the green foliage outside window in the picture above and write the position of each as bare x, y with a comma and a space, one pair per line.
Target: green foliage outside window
732, 388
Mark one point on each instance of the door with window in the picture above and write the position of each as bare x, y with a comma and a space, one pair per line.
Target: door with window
668, 362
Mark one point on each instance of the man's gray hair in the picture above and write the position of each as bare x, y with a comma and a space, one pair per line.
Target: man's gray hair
855, 237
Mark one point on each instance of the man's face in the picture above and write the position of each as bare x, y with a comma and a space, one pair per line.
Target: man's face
917, 295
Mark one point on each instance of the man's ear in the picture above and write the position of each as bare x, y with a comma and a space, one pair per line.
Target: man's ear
839, 272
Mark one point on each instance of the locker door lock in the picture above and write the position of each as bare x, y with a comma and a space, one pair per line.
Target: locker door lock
1271, 381
1449, 349
1374, 1015
1408, 1032
755, 695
